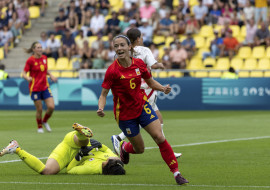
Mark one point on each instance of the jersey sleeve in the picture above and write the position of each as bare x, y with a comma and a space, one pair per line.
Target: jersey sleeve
108, 79
83, 168
143, 69
149, 58
27, 65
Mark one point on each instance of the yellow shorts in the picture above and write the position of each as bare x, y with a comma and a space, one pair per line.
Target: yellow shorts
65, 151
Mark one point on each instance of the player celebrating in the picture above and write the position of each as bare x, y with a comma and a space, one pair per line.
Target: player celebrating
92, 158
38, 84
146, 55
131, 107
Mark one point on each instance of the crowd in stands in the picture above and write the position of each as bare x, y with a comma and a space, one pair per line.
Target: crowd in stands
84, 29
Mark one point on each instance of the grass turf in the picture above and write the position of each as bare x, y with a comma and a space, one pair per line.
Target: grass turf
239, 164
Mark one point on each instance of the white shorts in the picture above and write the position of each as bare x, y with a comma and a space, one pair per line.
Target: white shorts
152, 101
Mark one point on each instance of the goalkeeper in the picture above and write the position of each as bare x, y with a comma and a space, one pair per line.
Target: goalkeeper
77, 152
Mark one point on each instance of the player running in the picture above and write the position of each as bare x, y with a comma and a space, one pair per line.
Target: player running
131, 107
76, 152
37, 66
146, 55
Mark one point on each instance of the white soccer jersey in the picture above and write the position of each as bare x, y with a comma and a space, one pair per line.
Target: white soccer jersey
146, 55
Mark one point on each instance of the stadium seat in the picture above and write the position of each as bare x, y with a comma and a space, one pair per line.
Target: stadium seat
192, 3
243, 74
223, 63
215, 74
173, 18
240, 39
161, 52
55, 73
29, 25
34, 12
201, 74
267, 74
154, 74
175, 3
62, 63
209, 62
256, 74
121, 17
158, 39
244, 52
67, 74
235, 29
91, 39
200, 52
237, 63
175, 74
208, 41
206, 31
182, 38
59, 37
116, 5
200, 41
168, 41
105, 38
2, 55
218, 27
264, 64
267, 53
258, 52
243, 31
250, 64
51, 63
109, 16
195, 63
163, 74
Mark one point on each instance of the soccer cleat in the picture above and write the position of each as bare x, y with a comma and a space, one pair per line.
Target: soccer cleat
83, 130
47, 126
40, 130
116, 144
180, 180
124, 156
177, 155
10, 149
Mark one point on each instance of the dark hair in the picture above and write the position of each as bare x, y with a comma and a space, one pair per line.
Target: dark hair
231, 70
30, 50
133, 34
122, 36
114, 167
2, 67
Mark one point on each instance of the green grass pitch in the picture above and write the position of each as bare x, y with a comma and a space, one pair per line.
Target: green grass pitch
221, 150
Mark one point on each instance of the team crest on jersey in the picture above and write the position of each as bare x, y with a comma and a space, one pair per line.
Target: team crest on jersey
122, 77
128, 131
44, 61
91, 159
36, 63
138, 71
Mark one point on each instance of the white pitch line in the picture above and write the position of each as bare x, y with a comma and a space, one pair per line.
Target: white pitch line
145, 185
182, 145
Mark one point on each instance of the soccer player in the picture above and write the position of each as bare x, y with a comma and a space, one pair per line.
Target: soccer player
131, 107
146, 55
37, 66
76, 152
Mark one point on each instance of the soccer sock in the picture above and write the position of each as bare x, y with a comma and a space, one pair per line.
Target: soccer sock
122, 136
39, 123
46, 117
162, 129
129, 148
32, 161
168, 156
80, 136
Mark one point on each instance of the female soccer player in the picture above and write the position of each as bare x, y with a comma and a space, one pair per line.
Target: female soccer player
37, 66
76, 152
131, 107
146, 55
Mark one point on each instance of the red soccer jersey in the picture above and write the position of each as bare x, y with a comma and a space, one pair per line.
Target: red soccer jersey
38, 71
125, 83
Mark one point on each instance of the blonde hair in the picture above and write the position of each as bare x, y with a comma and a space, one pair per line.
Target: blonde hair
33, 46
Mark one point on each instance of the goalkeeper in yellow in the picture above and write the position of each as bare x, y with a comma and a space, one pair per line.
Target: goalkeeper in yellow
77, 152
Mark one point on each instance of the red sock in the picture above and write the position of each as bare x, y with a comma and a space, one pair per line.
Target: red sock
39, 123
168, 156
46, 117
129, 148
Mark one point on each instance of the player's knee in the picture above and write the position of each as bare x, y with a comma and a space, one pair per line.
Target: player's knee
49, 171
139, 150
159, 138
51, 108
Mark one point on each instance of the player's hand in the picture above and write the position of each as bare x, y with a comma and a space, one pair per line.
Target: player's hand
29, 79
53, 78
167, 89
100, 112
94, 143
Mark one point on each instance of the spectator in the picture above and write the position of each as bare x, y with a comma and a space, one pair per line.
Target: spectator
147, 32
53, 46
72, 23
100, 57
166, 58
112, 24
178, 57
154, 22
104, 6
132, 24
189, 45
200, 11
79, 41
86, 54
73, 8
180, 24
97, 23
108, 42
3, 21
249, 11
208, 3
251, 29
9, 12
6, 38
231, 74
192, 25
214, 15
43, 42
124, 24
15, 26
3, 74
261, 10
128, 4
225, 29
163, 9
23, 14
215, 46
231, 45
262, 36
147, 10
41, 4
60, 22
96, 44
133, 10
154, 51
182, 8
68, 47
85, 22
166, 25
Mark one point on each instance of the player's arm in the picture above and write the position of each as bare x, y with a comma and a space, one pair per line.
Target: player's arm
158, 65
157, 86
102, 102
27, 78
53, 78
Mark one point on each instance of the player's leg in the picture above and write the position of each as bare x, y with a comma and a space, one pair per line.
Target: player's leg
32, 161
38, 105
48, 99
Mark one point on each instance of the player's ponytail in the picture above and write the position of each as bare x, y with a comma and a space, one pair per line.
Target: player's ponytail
30, 50
133, 34
114, 167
